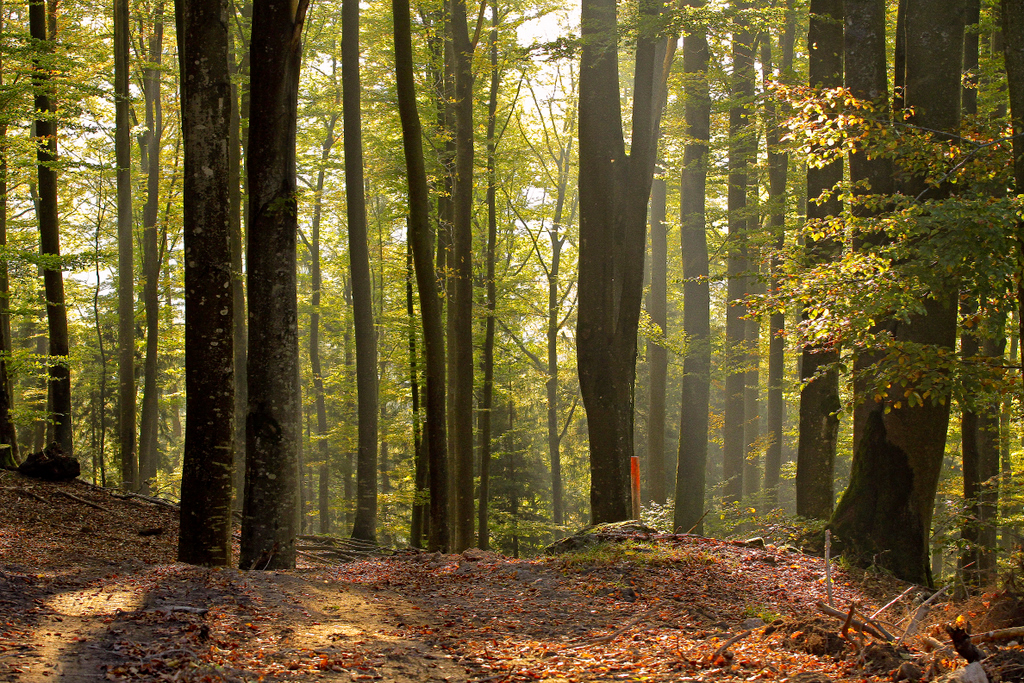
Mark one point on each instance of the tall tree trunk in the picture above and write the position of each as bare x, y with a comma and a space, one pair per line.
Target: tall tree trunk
693, 413
323, 447
613, 213
742, 145
42, 25
8, 435
752, 335
100, 454
209, 357
819, 397
151, 142
422, 250
657, 354
885, 513
460, 286
1013, 55
130, 479
487, 399
420, 506
778, 171
273, 428
365, 525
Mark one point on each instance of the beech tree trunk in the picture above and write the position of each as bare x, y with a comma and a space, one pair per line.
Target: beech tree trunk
273, 425
130, 479
657, 354
885, 514
209, 357
426, 282
1013, 55
43, 27
613, 213
151, 257
365, 525
819, 397
8, 434
693, 414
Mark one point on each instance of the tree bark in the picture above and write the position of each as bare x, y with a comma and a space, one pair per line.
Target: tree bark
130, 479
365, 525
613, 212
273, 428
657, 354
819, 397
422, 249
693, 414
150, 143
8, 434
209, 358
885, 514
742, 147
1013, 56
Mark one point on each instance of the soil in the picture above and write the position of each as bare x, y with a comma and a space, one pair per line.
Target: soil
90, 591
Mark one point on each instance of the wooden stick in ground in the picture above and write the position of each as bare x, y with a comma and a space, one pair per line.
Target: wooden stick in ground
828, 567
729, 643
874, 629
83, 501
856, 640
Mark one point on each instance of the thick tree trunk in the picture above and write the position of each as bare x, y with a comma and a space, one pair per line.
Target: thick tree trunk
885, 514
273, 428
365, 525
422, 249
819, 397
130, 479
209, 357
419, 504
42, 25
693, 414
151, 143
613, 212
742, 145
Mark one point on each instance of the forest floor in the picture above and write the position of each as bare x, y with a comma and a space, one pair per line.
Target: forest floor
89, 591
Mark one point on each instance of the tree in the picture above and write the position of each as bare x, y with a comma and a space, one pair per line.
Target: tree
613, 197
273, 427
693, 414
205, 536
885, 514
426, 283
365, 523
125, 265
8, 434
43, 27
819, 397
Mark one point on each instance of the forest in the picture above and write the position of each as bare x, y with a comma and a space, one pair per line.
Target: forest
436, 274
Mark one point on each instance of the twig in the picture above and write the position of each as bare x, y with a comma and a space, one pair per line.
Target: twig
857, 641
828, 567
697, 523
868, 627
83, 501
892, 602
613, 635
919, 615
26, 492
732, 641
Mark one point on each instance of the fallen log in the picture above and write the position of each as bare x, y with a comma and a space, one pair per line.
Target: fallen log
868, 627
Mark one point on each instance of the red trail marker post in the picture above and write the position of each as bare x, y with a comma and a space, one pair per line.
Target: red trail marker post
634, 471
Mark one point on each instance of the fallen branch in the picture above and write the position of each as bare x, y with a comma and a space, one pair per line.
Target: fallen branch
729, 643
26, 492
83, 501
920, 614
892, 602
873, 628
998, 634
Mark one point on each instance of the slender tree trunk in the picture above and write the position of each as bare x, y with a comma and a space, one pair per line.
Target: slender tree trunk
151, 142
102, 427
885, 513
487, 399
819, 397
778, 171
742, 145
657, 354
42, 25
273, 430
365, 525
323, 447
693, 414
422, 250
130, 480
1013, 55
420, 509
209, 357
8, 435
613, 212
